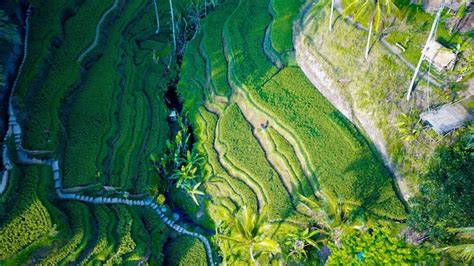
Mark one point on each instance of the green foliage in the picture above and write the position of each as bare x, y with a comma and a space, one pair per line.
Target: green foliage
184, 251
243, 238
377, 246
285, 15
446, 195
181, 164
302, 242
465, 249
8, 30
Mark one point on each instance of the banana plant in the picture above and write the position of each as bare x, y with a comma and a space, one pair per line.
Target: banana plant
193, 192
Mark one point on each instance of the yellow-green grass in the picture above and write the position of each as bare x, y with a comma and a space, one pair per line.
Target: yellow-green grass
185, 250
105, 242
76, 239
344, 162
244, 43
244, 151
285, 13
29, 222
378, 87
29, 216
292, 163
211, 27
205, 125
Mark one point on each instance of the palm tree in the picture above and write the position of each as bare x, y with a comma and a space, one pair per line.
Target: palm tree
463, 251
378, 10
246, 235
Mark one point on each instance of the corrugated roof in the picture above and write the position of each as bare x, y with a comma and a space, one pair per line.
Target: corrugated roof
439, 56
447, 118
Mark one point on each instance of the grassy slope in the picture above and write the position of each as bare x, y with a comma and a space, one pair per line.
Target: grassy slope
378, 88
343, 159
89, 122
42, 127
245, 153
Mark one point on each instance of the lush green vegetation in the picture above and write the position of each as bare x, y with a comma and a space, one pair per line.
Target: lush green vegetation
257, 154
445, 199
377, 246
185, 251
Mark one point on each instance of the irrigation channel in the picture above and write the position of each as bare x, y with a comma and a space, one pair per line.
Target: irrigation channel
26, 157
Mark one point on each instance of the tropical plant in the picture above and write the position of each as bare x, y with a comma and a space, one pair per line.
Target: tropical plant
193, 191
377, 246
445, 197
459, 48
409, 126
379, 11
464, 251
244, 237
300, 242
460, 15
180, 165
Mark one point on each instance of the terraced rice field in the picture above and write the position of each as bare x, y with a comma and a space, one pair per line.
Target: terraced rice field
274, 127
92, 93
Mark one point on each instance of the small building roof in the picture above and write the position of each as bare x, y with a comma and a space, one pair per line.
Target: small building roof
446, 118
440, 56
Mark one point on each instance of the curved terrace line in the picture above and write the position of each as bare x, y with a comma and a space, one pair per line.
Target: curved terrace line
97, 31
27, 158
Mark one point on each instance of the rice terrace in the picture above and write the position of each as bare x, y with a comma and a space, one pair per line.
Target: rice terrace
237, 132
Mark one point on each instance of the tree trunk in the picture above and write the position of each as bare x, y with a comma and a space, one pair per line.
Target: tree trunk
331, 15
173, 26
368, 39
430, 36
157, 17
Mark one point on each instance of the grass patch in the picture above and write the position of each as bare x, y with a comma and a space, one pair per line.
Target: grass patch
185, 250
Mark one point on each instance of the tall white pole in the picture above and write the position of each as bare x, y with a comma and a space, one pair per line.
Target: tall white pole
331, 14
368, 39
430, 37
172, 24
